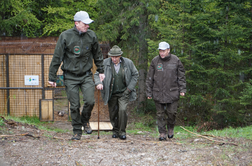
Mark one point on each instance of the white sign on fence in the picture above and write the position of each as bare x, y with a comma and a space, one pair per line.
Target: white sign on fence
31, 80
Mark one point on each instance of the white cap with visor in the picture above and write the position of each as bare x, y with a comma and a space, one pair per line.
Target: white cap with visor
83, 17
163, 46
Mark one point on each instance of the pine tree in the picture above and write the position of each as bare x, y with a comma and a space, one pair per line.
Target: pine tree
17, 18
126, 23
212, 40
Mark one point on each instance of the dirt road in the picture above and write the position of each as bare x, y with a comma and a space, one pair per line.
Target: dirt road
40, 147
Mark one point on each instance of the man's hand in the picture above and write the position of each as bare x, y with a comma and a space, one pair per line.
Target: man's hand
53, 84
182, 94
99, 87
102, 77
149, 97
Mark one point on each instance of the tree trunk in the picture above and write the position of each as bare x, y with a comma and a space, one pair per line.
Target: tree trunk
143, 61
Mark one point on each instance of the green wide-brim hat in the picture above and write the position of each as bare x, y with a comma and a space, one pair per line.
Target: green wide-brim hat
115, 51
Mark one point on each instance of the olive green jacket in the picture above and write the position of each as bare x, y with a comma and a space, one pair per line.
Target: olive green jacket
130, 73
165, 79
77, 51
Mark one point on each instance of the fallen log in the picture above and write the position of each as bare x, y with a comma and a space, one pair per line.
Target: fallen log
25, 134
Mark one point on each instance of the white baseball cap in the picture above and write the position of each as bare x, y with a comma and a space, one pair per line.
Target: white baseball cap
83, 17
163, 46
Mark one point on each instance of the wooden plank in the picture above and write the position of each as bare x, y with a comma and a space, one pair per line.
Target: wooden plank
103, 110
46, 110
50, 110
102, 126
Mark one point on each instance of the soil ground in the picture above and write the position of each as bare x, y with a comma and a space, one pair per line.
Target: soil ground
26, 145
42, 147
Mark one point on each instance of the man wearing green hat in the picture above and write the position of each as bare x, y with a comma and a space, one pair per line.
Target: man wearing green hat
118, 88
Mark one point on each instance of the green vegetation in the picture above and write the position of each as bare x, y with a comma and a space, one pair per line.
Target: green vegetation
240, 132
26, 120
1, 122
33, 121
229, 132
139, 128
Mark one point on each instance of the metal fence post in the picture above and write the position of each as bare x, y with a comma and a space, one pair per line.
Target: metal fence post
8, 84
42, 76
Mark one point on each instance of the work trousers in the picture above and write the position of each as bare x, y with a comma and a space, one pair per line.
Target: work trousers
86, 84
118, 112
166, 115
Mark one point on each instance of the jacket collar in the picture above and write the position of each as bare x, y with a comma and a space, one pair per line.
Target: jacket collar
166, 58
79, 32
109, 62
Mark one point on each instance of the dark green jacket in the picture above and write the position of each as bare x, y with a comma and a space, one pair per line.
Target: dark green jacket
77, 52
165, 79
130, 74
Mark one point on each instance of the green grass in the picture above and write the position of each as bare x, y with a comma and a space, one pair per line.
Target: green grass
33, 121
1, 122
135, 128
182, 134
240, 132
27, 120
138, 128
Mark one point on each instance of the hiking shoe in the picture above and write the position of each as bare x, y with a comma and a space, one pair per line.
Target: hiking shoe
76, 137
114, 136
123, 137
170, 131
87, 128
162, 137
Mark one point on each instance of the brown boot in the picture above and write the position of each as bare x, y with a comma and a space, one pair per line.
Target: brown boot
162, 137
87, 128
170, 131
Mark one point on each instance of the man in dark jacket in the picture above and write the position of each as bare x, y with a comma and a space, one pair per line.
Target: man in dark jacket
118, 88
77, 48
165, 83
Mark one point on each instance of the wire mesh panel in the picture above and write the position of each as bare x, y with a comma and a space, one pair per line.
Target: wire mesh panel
2, 71
3, 102
48, 94
3, 93
24, 102
22, 65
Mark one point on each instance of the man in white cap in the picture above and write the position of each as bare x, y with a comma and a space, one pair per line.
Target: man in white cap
77, 48
165, 83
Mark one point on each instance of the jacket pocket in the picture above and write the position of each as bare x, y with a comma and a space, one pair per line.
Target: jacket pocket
132, 96
155, 94
173, 89
174, 93
86, 52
